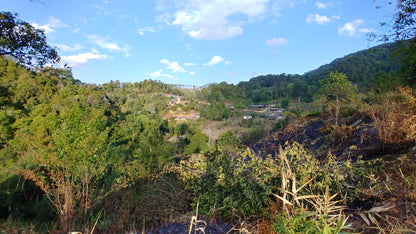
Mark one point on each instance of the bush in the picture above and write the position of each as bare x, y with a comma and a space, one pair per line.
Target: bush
311, 193
229, 184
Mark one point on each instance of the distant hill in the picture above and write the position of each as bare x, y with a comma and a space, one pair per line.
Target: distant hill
360, 67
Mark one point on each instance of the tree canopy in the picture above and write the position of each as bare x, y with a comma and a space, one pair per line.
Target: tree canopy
338, 88
24, 43
403, 22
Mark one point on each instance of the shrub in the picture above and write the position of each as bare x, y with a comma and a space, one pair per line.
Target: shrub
229, 184
306, 193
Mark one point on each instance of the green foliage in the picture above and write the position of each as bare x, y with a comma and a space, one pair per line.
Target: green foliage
361, 66
264, 89
306, 192
198, 144
407, 56
77, 142
338, 89
215, 93
384, 82
254, 134
326, 172
24, 43
216, 111
138, 140
229, 184
285, 103
181, 129
228, 140
69, 158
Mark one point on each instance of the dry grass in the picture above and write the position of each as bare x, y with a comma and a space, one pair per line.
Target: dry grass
395, 118
320, 207
197, 226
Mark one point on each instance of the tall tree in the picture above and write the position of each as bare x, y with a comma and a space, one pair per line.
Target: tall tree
67, 148
339, 89
24, 43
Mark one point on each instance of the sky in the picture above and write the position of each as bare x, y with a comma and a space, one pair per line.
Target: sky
198, 42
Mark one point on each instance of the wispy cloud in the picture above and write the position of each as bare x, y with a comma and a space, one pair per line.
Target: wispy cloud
174, 66
83, 58
52, 24
215, 60
159, 74
109, 45
101, 9
142, 31
276, 42
189, 64
353, 28
213, 20
66, 48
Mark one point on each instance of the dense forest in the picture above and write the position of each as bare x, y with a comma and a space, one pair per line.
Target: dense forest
124, 157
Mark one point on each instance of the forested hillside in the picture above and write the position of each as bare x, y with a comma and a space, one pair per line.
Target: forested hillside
362, 66
365, 68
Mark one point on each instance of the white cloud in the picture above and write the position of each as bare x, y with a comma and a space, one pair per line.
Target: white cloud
174, 66
321, 5
79, 59
189, 64
52, 24
319, 19
276, 42
192, 73
141, 31
366, 30
353, 28
213, 20
216, 59
110, 46
66, 48
159, 74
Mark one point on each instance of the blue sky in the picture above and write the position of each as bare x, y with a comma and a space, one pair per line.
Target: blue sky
196, 42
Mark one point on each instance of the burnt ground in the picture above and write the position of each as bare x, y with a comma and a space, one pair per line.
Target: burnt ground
387, 202
209, 228
349, 140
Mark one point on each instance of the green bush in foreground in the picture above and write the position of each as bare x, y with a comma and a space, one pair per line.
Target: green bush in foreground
239, 184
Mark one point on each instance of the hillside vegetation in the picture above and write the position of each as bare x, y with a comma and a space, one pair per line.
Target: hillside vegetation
322, 152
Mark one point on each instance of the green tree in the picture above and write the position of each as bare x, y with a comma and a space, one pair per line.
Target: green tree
285, 103
198, 144
23, 42
228, 140
68, 159
338, 89
383, 82
402, 28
